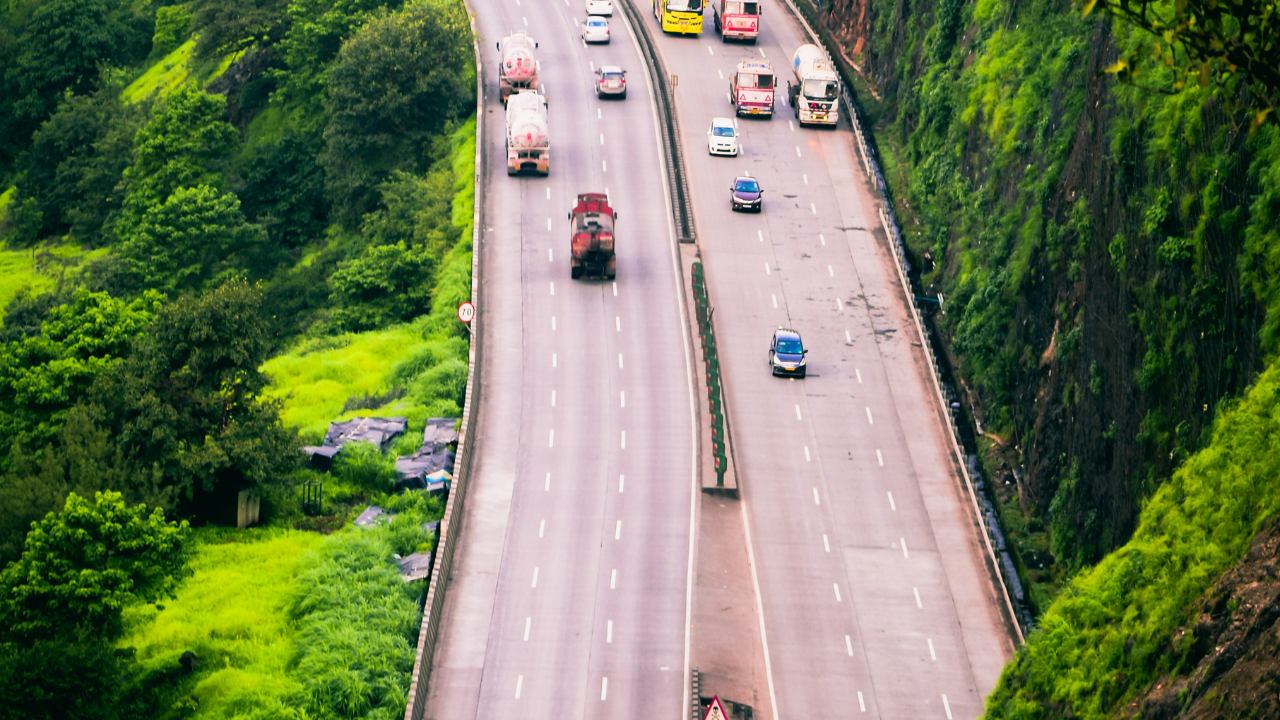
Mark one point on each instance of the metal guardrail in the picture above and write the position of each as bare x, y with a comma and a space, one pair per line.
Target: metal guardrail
451, 523
1002, 566
681, 204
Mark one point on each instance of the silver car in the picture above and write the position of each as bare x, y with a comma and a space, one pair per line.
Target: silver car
611, 80
595, 29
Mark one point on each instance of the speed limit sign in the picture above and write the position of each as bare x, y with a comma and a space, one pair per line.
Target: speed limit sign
466, 311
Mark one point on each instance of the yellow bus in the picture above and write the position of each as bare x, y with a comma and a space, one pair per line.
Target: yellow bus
682, 16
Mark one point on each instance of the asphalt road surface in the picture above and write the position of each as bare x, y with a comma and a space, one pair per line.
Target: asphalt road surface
876, 599
570, 591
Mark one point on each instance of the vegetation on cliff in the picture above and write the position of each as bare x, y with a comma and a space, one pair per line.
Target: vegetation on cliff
1106, 253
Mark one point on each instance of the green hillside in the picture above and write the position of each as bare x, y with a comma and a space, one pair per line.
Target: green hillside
216, 238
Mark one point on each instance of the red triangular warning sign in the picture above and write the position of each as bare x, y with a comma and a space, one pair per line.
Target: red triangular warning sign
716, 711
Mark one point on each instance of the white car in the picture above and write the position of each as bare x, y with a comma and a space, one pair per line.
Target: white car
722, 136
600, 7
595, 30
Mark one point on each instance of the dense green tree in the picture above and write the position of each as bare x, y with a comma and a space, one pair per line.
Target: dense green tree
74, 164
185, 240
42, 377
185, 143
416, 211
401, 80
317, 29
173, 27
385, 285
284, 192
62, 48
27, 311
81, 568
188, 402
228, 26
84, 461
77, 679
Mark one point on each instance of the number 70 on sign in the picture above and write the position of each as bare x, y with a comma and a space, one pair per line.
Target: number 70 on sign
466, 312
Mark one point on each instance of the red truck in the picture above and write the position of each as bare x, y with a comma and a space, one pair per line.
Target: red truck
738, 19
751, 88
591, 233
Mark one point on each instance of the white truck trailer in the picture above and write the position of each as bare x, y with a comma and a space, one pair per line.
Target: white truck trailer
815, 95
528, 145
518, 65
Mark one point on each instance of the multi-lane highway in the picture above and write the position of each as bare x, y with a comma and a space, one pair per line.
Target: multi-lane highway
570, 591
875, 595
570, 594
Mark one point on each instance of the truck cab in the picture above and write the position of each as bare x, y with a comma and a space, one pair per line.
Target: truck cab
737, 19
751, 87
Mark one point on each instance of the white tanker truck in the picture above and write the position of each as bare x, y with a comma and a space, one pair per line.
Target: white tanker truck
518, 66
815, 95
528, 146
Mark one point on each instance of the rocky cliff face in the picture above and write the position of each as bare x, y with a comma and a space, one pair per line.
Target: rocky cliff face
1232, 647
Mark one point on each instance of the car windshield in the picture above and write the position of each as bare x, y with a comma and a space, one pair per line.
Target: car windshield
820, 89
749, 80
722, 131
747, 186
789, 347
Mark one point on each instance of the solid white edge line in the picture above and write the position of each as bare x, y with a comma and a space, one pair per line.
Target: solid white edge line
755, 585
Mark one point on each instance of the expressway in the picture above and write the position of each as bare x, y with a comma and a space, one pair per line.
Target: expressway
570, 592
876, 598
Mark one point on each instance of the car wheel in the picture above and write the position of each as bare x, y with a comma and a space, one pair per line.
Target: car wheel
623, 96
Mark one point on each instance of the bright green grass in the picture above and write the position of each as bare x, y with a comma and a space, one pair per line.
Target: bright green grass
160, 79
315, 381
173, 70
231, 614
24, 269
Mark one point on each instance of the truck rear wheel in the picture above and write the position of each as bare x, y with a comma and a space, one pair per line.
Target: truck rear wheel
575, 273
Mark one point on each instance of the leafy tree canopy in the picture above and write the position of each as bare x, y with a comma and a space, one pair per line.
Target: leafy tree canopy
316, 32
73, 166
41, 377
183, 144
385, 285
1218, 39
80, 569
394, 86
189, 237
228, 26
62, 47
188, 401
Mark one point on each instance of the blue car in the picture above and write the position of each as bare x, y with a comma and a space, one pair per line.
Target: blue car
786, 353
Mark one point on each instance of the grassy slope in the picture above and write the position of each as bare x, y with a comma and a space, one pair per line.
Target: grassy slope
316, 379
1111, 633
28, 269
231, 614
173, 71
